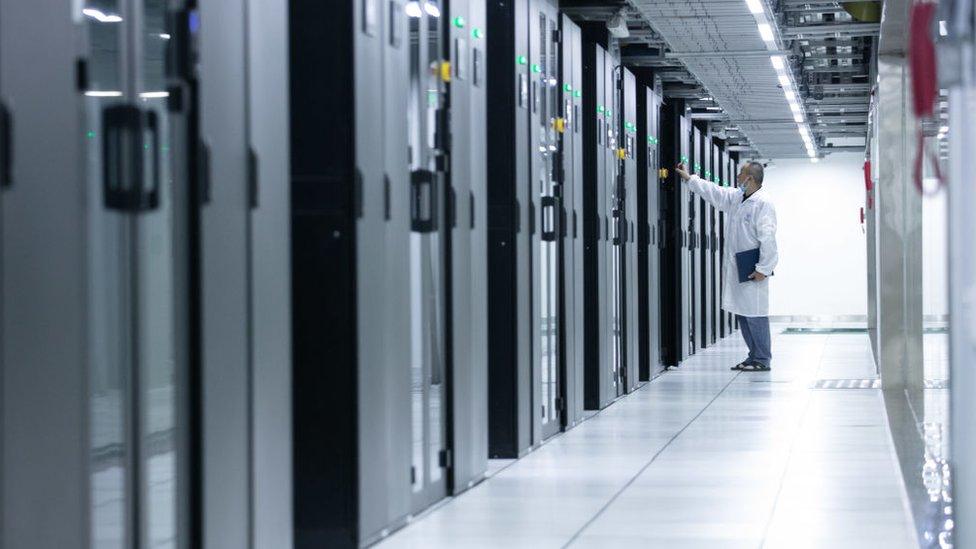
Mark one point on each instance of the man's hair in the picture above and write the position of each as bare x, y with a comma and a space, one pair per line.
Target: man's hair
755, 169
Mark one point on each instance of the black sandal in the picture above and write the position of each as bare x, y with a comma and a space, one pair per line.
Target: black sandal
754, 367
739, 366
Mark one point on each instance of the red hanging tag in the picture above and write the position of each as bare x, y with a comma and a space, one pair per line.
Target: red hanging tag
925, 90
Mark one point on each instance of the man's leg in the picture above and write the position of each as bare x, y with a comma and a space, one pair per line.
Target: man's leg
747, 335
761, 340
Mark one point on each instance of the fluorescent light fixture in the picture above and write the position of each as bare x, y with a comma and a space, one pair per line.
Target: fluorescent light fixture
777, 61
432, 9
755, 6
794, 106
101, 16
713, 108
165, 36
154, 95
943, 30
790, 96
103, 93
413, 9
706, 98
797, 117
766, 32
784, 80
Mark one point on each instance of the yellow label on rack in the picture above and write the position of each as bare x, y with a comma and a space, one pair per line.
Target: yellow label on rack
559, 124
621, 153
446, 71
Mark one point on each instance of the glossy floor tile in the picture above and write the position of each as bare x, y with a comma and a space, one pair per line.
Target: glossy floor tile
703, 457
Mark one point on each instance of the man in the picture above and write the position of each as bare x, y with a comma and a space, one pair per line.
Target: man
750, 224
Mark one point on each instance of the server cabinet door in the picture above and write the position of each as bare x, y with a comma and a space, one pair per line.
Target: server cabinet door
629, 294
468, 251
270, 280
137, 346
687, 319
706, 231
47, 480
572, 235
605, 384
615, 214
430, 226
657, 237
546, 195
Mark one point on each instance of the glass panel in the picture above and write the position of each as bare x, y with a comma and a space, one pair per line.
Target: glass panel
108, 324
156, 297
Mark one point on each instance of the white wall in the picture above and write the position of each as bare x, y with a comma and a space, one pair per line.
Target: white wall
935, 279
822, 267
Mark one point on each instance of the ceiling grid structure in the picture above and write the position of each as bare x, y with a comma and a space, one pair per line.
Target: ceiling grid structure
719, 42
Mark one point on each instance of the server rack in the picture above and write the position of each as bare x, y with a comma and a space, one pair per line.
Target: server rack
650, 234
510, 278
696, 208
571, 148
627, 191
384, 227
706, 254
724, 328
675, 255
598, 163
715, 303
468, 305
545, 194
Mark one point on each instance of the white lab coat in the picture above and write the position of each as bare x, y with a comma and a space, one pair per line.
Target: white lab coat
748, 225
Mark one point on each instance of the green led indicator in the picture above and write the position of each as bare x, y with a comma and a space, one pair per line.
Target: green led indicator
684, 158
577, 93
459, 22
522, 60
477, 33
600, 108
536, 67
90, 134
567, 87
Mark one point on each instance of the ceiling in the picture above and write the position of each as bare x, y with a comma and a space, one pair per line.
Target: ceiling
710, 53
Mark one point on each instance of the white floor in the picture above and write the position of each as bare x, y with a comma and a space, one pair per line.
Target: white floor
703, 457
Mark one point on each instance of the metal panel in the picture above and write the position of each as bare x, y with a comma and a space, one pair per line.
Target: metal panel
224, 271
270, 284
612, 211
899, 233
468, 253
715, 303
962, 264
44, 404
707, 246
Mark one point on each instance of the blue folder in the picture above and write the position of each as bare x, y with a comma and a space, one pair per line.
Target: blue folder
746, 263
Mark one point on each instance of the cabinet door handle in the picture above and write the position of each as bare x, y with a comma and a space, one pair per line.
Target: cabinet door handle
124, 132
6, 147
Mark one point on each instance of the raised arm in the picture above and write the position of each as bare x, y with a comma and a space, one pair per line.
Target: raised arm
722, 198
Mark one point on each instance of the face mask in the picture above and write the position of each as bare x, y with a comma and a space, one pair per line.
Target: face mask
743, 186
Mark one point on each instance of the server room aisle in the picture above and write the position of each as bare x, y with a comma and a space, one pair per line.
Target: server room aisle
703, 457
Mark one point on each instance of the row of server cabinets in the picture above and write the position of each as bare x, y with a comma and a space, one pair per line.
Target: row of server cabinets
692, 258
286, 274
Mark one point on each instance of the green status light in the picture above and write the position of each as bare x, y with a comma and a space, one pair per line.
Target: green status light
522, 60
459, 22
600, 108
567, 87
90, 134
609, 112
477, 33
536, 67
577, 93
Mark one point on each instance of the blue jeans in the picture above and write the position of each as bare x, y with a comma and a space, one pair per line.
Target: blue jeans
755, 330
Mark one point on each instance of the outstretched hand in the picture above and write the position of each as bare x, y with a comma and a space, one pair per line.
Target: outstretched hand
682, 172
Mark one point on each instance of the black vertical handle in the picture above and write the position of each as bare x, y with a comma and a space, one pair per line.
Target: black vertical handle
6, 147
423, 201
549, 225
124, 129
252, 179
